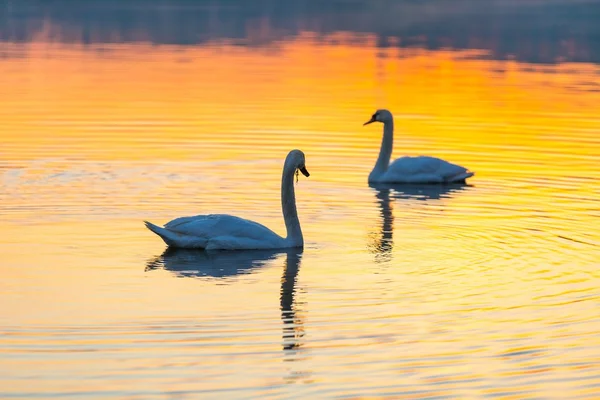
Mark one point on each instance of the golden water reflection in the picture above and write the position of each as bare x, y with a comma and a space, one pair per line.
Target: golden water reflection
489, 289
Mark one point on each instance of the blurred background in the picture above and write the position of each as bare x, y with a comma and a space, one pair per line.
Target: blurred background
114, 112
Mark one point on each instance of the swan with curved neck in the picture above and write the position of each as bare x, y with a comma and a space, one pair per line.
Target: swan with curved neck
420, 169
227, 232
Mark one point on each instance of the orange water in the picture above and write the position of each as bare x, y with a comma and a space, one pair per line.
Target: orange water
490, 289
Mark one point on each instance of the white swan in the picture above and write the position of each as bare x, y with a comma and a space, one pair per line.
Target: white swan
421, 169
226, 232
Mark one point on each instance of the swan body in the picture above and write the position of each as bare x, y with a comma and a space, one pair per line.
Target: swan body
227, 232
410, 170
423, 169
217, 232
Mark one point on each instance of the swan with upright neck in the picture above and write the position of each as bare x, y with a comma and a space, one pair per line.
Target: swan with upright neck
420, 169
227, 232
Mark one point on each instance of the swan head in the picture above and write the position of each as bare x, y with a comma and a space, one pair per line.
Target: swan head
381, 115
297, 160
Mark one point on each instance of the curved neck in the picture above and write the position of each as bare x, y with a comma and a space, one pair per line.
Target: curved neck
288, 206
385, 153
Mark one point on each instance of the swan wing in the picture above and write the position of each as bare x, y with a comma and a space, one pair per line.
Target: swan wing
217, 232
425, 169
219, 225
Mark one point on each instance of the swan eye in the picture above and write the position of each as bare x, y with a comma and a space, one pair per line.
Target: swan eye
375, 116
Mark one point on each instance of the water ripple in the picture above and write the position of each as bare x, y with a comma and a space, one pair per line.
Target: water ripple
463, 291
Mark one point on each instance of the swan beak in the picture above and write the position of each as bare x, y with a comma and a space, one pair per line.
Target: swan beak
370, 121
304, 172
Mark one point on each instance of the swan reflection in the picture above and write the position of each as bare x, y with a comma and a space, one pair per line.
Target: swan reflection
224, 264
382, 242
215, 264
293, 326
420, 192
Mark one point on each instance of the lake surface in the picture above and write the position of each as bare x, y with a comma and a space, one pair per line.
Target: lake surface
114, 114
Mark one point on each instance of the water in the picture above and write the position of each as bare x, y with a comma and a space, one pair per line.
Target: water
111, 115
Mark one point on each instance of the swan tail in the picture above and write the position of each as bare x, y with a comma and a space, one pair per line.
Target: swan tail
461, 178
167, 236
176, 239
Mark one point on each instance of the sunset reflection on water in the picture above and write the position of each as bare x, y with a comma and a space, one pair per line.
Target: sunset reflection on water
487, 289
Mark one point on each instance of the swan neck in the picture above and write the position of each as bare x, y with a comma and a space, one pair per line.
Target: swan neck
288, 206
385, 152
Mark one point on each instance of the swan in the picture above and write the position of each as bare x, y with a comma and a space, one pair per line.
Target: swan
227, 232
421, 169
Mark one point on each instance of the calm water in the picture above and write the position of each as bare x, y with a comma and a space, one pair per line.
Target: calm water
110, 115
